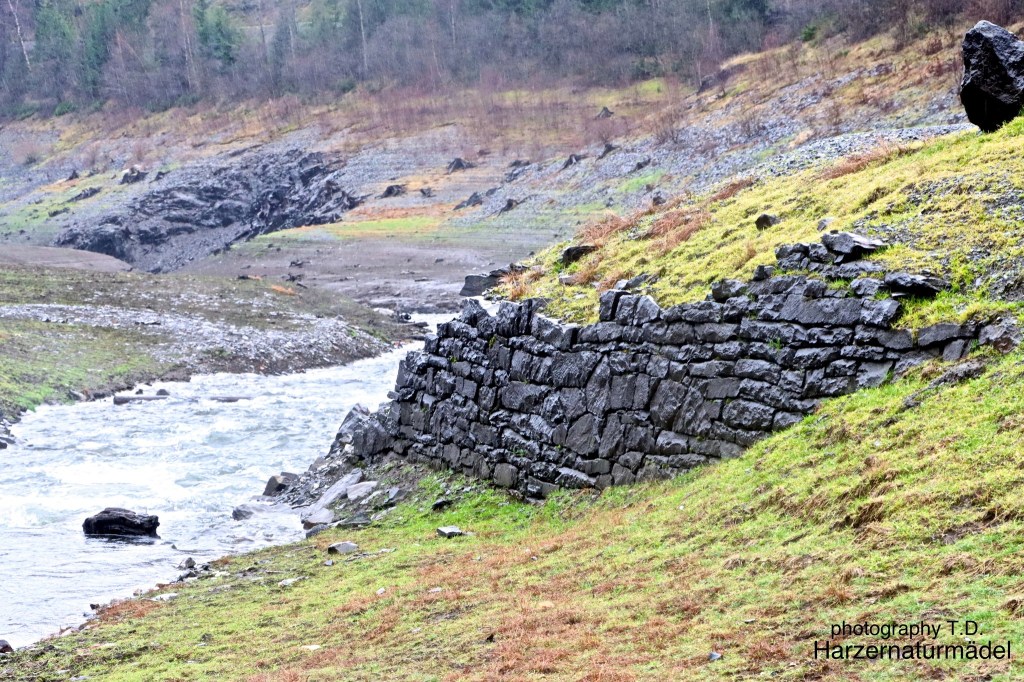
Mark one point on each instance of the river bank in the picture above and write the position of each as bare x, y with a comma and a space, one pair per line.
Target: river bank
75, 333
188, 459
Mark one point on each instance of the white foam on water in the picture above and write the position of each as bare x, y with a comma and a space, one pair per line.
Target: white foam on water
188, 459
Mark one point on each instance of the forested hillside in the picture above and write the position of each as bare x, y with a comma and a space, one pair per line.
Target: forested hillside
58, 56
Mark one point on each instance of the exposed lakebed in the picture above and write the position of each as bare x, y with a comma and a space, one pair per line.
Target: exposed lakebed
188, 459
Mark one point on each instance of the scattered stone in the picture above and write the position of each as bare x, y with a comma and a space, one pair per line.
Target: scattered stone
714, 656
441, 504
133, 175
958, 374
117, 522
450, 531
574, 253
279, 483
573, 160
608, 149
392, 191
510, 205
427, 192
992, 90
86, 193
766, 220
475, 199
658, 199
187, 564
921, 286
459, 164
1003, 336
288, 582
361, 490
604, 113
640, 165
343, 548
317, 518
316, 530
849, 247
357, 520
167, 596
824, 223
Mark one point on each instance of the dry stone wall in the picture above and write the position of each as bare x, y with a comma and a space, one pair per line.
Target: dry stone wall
646, 392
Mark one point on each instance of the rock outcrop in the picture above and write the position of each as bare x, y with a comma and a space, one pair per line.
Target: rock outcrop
202, 210
117, 522
992, 90
647, 392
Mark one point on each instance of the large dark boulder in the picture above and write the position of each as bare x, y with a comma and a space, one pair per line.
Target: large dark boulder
122, 523
992, 90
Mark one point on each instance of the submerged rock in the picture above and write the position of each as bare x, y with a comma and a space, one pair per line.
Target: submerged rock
119, 522
992, 90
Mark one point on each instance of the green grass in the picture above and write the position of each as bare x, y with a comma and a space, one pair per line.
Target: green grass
414, 226
42, 362
900, 503
949, 207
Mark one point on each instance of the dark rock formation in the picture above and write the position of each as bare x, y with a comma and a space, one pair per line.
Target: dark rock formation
604, 113
575, 253
206, 209
474, 200
478, 285
573, 160
118, 522
766, 220
279, 483
392, 191
133, 175
86, 193
640, 165
608, 149
510, 205
992, 90
647, 392
904, 284
459, 164
5, 647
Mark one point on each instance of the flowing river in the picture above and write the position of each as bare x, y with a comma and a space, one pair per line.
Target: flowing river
187, 459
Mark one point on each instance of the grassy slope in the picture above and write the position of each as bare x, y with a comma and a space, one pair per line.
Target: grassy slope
951, 207
869, 510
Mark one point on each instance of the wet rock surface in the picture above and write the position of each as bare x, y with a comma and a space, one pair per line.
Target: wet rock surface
117, 522
992, 90
645, 393
203, 209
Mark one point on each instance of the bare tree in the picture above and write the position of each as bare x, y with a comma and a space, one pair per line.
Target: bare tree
21, 38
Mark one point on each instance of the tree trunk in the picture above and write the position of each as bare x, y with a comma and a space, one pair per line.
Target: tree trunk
362, 35
21, 38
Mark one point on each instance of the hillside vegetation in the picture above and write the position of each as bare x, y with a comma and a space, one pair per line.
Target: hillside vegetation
60, 56
950, 207
896, 504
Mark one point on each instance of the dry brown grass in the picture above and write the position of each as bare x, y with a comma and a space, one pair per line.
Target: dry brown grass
676, 226
598, 231
128, 609
732, 189
858, 162
517, 284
